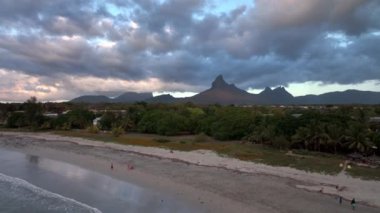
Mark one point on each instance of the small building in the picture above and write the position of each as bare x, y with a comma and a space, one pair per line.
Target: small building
65, 112
95, 122
374, 119
296, 115
304, 107
50, 114
96, 111
267, 114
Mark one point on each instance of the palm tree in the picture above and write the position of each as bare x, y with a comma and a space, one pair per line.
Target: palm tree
357, 138
319, 139
302, 137
262, 134
319, 135
312, 136
335, 134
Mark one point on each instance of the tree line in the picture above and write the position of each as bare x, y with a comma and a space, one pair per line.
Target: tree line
331, 129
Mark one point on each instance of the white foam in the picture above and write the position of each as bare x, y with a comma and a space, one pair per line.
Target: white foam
23, 184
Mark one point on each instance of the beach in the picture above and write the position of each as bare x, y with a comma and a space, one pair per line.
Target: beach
202, 179
33, 184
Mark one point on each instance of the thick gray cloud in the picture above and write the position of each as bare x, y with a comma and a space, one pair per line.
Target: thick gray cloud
267, 43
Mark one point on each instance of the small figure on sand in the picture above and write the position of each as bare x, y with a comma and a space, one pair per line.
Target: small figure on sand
111, 165
340, 200
130, 167
353, 203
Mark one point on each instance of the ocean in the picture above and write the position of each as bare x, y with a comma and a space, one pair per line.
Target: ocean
37, 185
18, 195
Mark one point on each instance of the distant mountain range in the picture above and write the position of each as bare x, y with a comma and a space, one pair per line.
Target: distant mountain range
128, 97
225, 94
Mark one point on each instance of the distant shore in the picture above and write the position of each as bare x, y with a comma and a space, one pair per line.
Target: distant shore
203, 177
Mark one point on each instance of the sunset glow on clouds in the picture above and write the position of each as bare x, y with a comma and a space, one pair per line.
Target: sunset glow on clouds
62, 49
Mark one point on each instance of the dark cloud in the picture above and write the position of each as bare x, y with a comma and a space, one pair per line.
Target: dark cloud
68, 55
271, 43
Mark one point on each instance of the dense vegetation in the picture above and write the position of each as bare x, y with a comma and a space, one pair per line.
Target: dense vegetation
330, 129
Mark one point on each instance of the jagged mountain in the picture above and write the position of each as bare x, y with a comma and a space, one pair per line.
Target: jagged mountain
224, 93
277, 96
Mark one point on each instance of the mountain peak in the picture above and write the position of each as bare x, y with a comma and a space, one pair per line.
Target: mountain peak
282, 91
219, 82
267, 89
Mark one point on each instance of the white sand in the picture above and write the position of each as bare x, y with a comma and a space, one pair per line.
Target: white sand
215, 180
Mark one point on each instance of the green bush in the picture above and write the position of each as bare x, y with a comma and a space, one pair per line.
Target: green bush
66, 126
46, 125
202, 137
17, 120
80, 118
108, 120
280, 142
93, 129
163, 122
117, 131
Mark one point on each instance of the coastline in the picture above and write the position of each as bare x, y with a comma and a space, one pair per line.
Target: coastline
202, 177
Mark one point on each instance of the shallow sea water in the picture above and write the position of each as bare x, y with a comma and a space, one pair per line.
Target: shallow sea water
34, 184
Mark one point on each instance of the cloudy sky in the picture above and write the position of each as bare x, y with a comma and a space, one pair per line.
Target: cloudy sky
59, 49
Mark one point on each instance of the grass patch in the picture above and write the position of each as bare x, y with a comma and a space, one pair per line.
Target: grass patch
162, 140
308, 153
87, 135
364, 172
274, 157
243, 151
183, 142
4, 129
200, 138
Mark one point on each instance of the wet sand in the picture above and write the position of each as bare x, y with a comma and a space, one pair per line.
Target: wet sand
215, 183
29, 183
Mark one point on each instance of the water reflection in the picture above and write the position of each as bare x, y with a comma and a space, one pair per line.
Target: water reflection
122, 190
95, 189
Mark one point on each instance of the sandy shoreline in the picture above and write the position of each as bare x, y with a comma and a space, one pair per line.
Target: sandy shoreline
215, 183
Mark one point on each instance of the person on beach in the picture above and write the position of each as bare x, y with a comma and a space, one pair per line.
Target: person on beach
111, 165
130, 167
353, 203
340, 200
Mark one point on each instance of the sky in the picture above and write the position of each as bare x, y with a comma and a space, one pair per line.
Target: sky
58, 50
